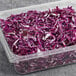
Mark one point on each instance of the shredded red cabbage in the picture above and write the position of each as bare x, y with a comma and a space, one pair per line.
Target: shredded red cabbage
36, 31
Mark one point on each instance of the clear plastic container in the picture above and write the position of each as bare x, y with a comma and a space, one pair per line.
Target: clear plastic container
43, 60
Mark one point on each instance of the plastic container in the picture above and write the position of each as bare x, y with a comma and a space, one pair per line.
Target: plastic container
43, 60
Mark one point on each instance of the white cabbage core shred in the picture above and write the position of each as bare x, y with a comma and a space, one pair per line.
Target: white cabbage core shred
47, 35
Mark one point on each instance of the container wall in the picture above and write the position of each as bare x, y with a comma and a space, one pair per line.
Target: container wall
46, 62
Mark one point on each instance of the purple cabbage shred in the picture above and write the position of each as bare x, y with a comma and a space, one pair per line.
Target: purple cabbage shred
35, 31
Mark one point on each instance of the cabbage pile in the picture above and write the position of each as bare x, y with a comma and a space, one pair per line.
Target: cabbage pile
35, 31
